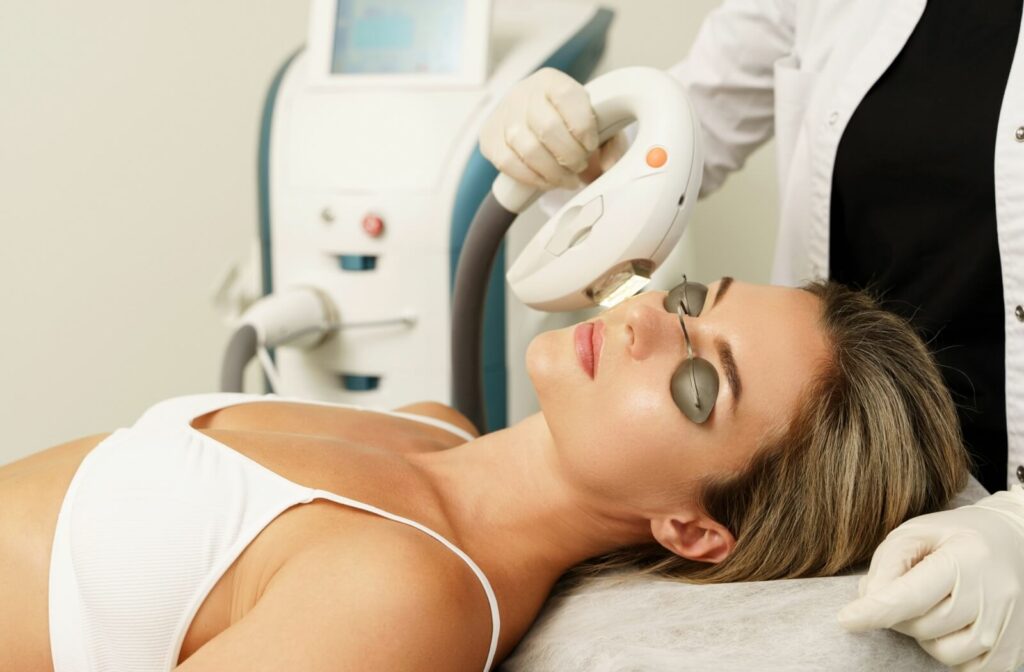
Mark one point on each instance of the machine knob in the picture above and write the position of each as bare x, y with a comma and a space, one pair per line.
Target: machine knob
373, 225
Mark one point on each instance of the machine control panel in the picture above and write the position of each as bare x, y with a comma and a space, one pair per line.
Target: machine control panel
399, 43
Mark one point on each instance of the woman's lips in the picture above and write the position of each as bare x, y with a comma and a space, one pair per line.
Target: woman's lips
589, 336
583, 336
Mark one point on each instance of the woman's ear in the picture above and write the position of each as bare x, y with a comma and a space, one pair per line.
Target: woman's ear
694, 536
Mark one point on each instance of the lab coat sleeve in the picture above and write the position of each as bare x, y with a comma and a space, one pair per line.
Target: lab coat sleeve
729, 76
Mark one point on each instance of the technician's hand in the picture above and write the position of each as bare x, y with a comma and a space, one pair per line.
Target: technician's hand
543, 132
953, 580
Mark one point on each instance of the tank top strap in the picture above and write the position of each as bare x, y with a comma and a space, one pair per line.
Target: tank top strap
172, 412
422, 419
488, 590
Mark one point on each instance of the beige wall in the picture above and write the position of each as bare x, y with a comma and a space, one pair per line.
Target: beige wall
127, 184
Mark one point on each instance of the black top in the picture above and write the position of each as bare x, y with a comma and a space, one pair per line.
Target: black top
913, 204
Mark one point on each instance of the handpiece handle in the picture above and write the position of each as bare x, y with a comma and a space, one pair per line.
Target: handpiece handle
618, 98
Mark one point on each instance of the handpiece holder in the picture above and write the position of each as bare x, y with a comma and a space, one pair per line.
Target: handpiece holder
610, 236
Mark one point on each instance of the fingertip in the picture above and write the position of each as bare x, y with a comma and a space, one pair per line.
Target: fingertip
569, 179
856, 617
607, 161
573, 182
848, 616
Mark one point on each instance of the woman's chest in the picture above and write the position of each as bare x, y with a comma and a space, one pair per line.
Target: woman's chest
365, 474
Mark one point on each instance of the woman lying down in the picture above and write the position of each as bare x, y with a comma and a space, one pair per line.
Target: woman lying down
725, 433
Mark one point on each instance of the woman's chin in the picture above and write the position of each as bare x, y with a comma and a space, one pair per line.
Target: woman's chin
542, 362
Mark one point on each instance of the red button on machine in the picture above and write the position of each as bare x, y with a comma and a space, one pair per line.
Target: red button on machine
373, 225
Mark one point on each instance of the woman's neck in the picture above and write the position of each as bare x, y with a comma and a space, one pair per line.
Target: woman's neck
514, 512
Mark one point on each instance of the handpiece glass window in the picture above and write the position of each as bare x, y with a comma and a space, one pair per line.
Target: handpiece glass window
408, 37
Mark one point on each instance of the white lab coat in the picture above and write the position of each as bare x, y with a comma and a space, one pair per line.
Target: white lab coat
799, 69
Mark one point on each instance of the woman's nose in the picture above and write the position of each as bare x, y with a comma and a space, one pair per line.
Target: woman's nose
651, 329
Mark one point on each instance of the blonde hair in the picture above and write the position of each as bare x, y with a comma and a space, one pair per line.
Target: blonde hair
876, 442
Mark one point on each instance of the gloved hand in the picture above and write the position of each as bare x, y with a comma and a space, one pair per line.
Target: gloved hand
953, 580
543, 132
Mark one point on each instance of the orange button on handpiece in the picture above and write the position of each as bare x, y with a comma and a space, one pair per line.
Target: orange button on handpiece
657, 157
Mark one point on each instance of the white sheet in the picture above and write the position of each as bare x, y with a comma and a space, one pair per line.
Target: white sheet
628, 622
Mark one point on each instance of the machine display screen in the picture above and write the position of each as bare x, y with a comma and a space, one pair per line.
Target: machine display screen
408, 37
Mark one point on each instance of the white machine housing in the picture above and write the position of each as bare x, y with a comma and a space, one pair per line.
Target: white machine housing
346, 160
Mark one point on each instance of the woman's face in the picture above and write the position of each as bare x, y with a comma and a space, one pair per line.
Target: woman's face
617, 430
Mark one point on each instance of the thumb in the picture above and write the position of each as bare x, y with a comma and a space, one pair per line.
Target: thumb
859, 615
613, 150
905, 597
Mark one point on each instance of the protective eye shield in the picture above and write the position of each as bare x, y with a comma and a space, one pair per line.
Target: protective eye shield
695, 382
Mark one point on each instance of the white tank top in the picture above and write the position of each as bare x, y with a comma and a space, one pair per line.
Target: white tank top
153, 517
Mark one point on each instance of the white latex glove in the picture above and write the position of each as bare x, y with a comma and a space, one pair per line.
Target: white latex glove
543, 132
953, 581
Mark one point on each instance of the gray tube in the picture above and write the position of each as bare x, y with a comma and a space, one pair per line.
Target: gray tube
241, 349
483, 239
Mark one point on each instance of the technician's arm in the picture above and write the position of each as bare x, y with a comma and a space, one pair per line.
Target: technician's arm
729, 77
953, 580
544, 130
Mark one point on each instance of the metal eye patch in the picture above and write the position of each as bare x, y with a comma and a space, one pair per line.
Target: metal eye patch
695, 382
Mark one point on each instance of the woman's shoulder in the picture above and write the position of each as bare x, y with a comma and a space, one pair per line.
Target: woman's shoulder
397, 562
403, 585
379, 597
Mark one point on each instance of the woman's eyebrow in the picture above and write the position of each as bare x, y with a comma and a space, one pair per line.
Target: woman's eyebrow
732, 373
723, 286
